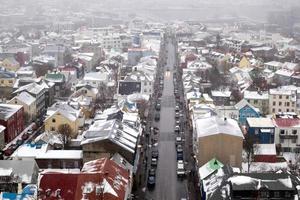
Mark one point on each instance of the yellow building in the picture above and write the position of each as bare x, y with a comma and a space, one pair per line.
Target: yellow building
10, 64
29, 104
64, 114
218, 138
7, 79
244, 63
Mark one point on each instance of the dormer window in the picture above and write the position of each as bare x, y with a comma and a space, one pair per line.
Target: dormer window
282, 132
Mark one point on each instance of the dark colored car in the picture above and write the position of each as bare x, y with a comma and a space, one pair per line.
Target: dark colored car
25, 136
151, 182
154, 154
152, 172
157, 117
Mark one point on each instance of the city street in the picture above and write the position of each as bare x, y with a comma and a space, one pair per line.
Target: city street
168, 186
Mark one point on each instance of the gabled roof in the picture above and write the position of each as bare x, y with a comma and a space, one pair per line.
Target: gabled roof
64, 109
210, 167
255, 181
243, 103
214, 125
287, 122
102, 172
260, 122
113, 130
25, 98
32, 88
7, 110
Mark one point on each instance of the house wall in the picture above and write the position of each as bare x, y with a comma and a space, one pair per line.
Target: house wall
265, 158
10, 66
14, 125
2, 141
52, 124
261, 104
288, 138
226, 148
7, 82
30, 110
246, 112
105, 148
262, 138
59, 163
282, 103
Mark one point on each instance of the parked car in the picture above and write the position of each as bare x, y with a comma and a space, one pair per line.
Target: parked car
151, 182
177, 108
154, 154
178, 140
180, 169
177, 115
157, 117
155, 130
153, 162
177, 129
152, 172
157, 107
25, 136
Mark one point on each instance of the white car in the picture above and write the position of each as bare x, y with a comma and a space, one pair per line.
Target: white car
180, 168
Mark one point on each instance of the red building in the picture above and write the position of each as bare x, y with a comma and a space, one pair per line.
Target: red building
99, 179
265, 153
12, 118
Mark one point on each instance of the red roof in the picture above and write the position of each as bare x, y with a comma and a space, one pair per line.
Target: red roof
72, 186
287, 122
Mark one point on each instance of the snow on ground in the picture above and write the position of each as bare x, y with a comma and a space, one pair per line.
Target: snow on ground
264, 167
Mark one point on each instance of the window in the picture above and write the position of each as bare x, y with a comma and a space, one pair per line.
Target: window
273, 110
294, 140
287, 194
280, 96
279, 103
145, 83
274, 103
53, 120
276, 194
294, 132
287, 103
282, 132
264, 194
287, 110
279, 110
287, 97
2, 81
281, 140
10, 81
52, 128
255, 101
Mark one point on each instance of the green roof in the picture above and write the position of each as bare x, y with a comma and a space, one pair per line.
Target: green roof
209, 168
55, 77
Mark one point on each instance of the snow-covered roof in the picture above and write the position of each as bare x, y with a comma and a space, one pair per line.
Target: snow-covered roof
274, 64
264, 149
25, 98
242, 103
96, 76
223, 93
2, 128
29, 151
260, 122
7, 110
118, 132
284, 72
256, 95
215, 125
210, 167
60, 154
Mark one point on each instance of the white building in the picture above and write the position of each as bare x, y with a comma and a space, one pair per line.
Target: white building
282, 100
287, 132
258, 99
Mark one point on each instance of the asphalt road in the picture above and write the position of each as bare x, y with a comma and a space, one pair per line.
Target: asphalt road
168, 187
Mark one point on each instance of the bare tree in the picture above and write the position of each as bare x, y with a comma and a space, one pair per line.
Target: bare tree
250, 148
66, 132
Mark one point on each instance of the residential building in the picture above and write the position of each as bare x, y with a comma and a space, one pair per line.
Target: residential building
12, 118
135, 54
7, 78
10, 64
221, 98
17, 173
287, 132
38, 92
105, 138
261, 129
96, 79
98, 179
29, 104
47, 158
62, 114
282, 100
261, 186
59, 81
273, 65
246, 110
214, 137
258, 99
265, 153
